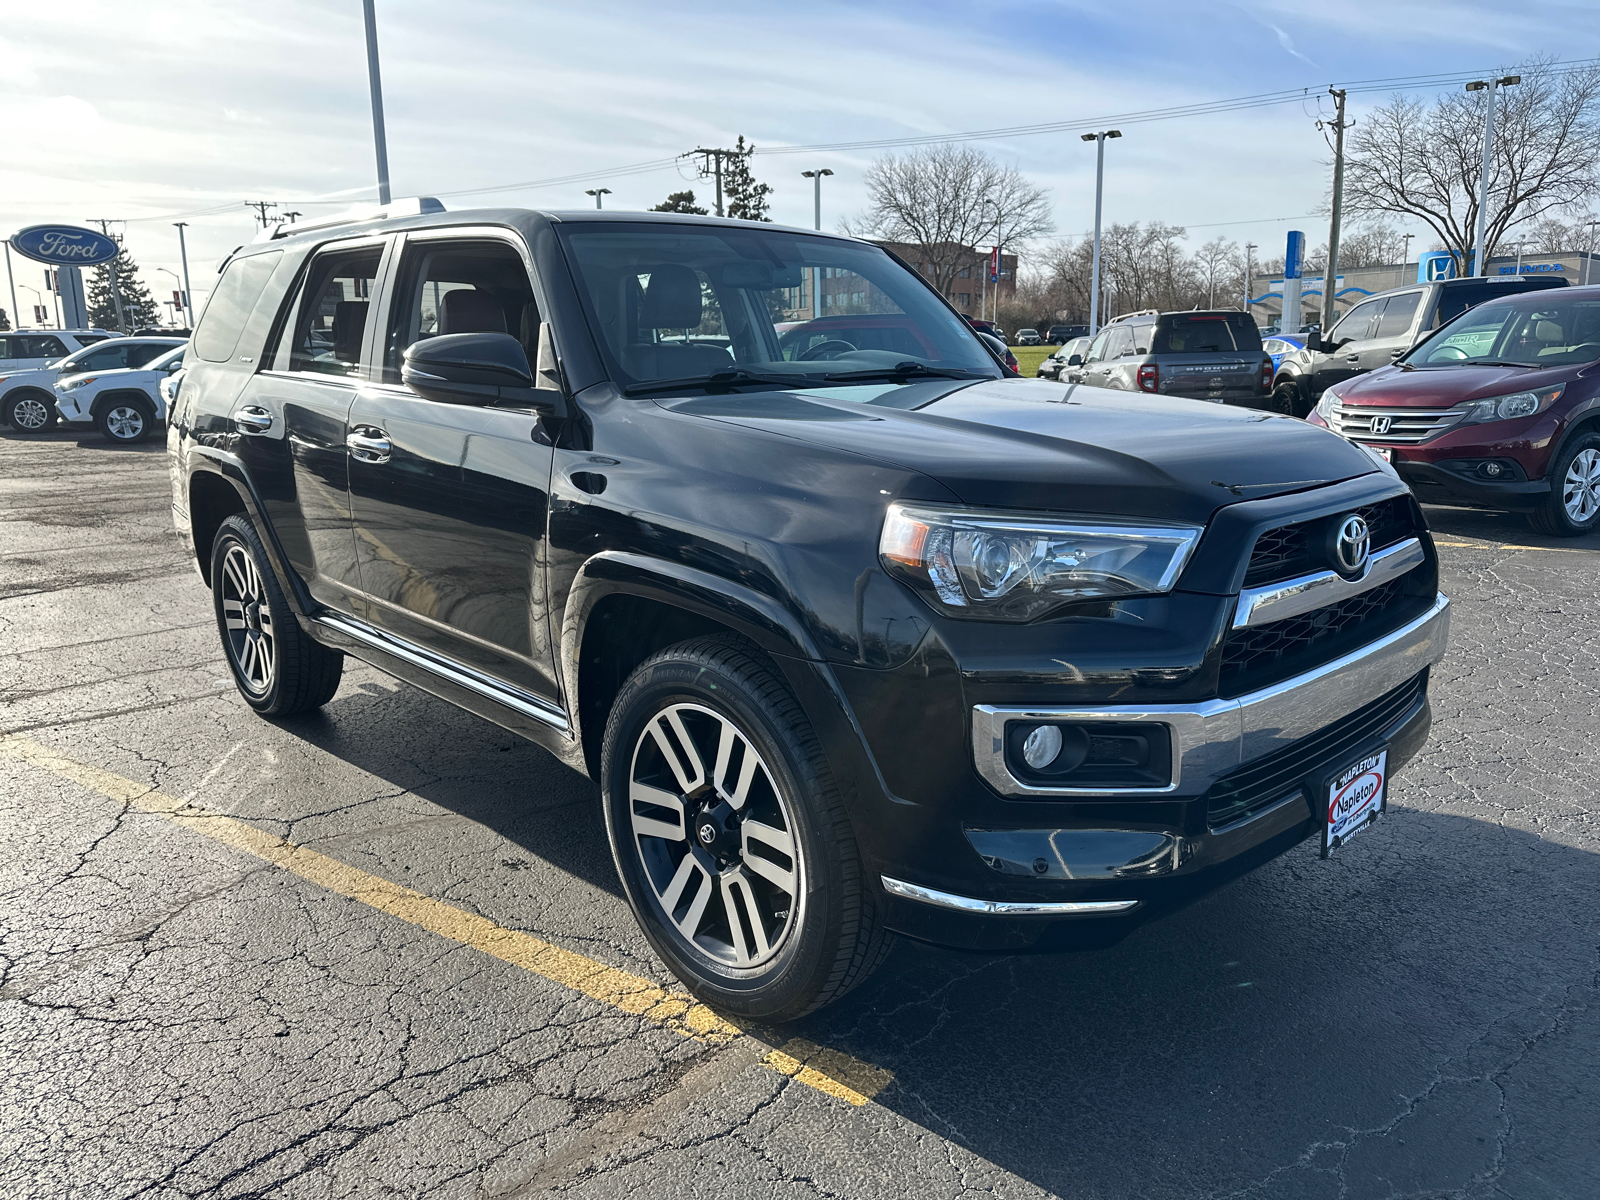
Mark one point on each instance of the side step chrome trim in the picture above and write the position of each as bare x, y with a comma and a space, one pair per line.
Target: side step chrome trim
1004, 908
514, 698
1295, 597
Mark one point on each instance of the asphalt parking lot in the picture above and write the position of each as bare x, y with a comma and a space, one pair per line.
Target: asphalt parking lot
382, 951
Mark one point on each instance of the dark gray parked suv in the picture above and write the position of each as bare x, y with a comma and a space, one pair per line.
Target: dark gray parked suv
1214, 356
1379, 330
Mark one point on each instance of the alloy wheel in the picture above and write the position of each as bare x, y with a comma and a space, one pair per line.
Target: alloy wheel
29, 414
125, 422
247, 621
717, 842
1580, 493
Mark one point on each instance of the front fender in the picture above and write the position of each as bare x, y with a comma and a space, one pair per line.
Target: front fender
211, 460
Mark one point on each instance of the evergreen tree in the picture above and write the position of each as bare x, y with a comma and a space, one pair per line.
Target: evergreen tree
680, 202
746, 199
138, 305
5, 321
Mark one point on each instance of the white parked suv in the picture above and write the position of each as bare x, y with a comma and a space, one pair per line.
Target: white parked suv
23, 350
125, 403
28, 399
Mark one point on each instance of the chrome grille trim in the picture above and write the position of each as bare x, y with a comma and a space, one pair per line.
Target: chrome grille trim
1408, 425
1292, 597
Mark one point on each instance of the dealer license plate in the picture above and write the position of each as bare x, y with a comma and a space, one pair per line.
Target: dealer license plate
1385, 453
1355, 797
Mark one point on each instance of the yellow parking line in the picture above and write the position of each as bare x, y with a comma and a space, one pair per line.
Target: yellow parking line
830, 1071
1511, 546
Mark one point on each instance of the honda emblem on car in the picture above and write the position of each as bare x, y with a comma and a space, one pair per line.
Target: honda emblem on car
1352, 547
1380, 425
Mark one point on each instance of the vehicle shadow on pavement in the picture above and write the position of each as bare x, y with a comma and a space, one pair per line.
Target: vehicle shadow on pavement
83, 439
1499, 528
1417, 1013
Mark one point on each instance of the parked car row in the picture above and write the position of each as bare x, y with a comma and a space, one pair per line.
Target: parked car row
111, 382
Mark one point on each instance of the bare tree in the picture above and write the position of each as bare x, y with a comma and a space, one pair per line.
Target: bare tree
1216, 266
946, 200
1418, 161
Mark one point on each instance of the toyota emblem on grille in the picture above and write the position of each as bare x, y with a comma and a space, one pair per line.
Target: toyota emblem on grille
1352, 546
1380, 425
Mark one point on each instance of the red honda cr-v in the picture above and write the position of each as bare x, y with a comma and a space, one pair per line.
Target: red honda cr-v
1498, 409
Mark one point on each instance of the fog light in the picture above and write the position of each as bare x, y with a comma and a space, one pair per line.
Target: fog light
1041, 747
1492, 470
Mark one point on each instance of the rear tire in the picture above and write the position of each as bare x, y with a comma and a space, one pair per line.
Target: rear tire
1286, 400
1572, 508
730, 835
277, 667
30, 411
125, 420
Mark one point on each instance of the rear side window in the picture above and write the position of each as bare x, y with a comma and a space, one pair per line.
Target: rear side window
89, 339
334, 310
44, 347
1398, 314
231, 304
10, 348
1142, 334
1206, 333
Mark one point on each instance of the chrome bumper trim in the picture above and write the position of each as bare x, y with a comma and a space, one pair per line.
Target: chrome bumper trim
1294, 597
1212, 737
1005, 908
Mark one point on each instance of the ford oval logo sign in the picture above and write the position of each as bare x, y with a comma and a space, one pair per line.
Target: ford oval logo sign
64, 245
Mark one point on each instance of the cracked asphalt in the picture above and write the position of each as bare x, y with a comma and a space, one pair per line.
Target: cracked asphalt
184, 1012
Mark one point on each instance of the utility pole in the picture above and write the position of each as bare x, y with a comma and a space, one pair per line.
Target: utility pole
111, 270
379, 141
183, 254
816, 223
1099, 139
597, 193
1480, 251
1249, 267
713, 166
1330, 277
261, 207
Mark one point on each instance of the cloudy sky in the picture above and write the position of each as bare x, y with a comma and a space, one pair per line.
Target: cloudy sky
181, 110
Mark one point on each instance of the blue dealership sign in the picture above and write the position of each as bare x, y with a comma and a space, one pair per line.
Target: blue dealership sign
1294, 255
64, 245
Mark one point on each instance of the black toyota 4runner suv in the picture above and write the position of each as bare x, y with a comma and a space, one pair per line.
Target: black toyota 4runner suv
853, 639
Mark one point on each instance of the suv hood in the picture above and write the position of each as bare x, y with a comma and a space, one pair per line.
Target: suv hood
1444, 387
1021, 443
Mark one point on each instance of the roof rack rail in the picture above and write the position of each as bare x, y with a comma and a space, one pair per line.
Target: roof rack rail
410, 206
1142, 312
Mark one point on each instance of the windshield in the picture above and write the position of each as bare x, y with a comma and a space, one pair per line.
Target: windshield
1540, 331
683, 304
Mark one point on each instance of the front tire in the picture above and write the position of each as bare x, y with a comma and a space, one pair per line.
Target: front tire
30, 412
730, 836
278, 669
1572, 508
125, 420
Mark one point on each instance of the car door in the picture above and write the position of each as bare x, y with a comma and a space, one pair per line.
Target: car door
1354, 329
1093, 369
1118, 369
292, 418
449, 501
1391, 335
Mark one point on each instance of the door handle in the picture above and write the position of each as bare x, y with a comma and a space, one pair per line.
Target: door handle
252, 419
368, 444
1352, 358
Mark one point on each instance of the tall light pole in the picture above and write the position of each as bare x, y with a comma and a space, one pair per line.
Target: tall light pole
1480, 256
597, 193
38, 301
380, 143
1405, 255
1099, 139
997, 256
183, 254
1249, 268
16, 317
816, 223
1590, 224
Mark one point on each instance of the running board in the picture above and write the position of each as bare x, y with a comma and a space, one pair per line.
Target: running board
514, 698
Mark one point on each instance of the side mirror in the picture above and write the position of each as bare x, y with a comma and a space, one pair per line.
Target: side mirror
483, 368
1074, 360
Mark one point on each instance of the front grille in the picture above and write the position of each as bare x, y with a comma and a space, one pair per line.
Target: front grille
1292, 550
1256, 657
1407, 426
1260, 784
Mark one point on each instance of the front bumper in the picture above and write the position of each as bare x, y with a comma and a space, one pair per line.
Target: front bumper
1035, 876
1448, 483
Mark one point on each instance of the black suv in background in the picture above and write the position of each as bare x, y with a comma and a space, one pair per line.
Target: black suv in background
1060, 335
853, 640
1380, 329
1214, 356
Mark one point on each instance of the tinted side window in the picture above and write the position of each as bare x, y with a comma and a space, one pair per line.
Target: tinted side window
335, 305
106, 358
1397, 315
1121, 343
1141, 336
231, 304
45, 347
138, 356
459, 287
89, 339
1357, 320
1453, 301
1097, 349
10, 347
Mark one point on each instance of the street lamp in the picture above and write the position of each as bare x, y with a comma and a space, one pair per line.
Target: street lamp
183, 253
597, 193
1405, 254
380, 143
175, 279
1099, 139
1249, 267
1492, 86
1591, 225
999, 262
38, 301
816, 219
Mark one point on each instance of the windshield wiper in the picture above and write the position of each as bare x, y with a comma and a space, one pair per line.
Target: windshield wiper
900, 371
1489, 362
729, 377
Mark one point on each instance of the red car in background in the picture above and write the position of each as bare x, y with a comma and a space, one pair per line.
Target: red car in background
1500, 408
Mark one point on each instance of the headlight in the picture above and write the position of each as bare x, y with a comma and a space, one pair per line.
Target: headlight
1014, 566
1509, 407
71, 384
1325, 405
